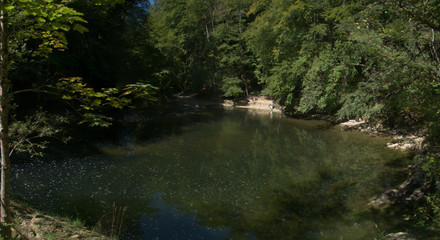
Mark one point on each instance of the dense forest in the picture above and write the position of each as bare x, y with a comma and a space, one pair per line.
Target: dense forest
74, 61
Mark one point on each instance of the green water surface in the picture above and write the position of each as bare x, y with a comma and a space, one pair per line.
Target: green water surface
222, 175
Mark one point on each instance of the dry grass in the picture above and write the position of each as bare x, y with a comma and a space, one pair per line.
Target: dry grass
32, 224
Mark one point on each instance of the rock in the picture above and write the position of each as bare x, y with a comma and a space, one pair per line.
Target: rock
400, 236
228, 103
384, 200
407, 143
400, 142
411, 190
393, 145
353, 124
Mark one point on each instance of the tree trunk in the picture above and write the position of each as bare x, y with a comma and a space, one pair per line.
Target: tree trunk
4, 128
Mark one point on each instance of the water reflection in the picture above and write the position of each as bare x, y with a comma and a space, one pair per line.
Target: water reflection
170, 222
230, 175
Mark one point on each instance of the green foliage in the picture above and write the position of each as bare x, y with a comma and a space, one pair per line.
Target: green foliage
374, 60
88, 102
141, 90
427, 214
42, 24
285, 81
202, 46
74, 89
31, 135
430, 216
355, 59
231, 87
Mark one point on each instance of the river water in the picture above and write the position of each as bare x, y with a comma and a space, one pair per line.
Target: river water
219, 175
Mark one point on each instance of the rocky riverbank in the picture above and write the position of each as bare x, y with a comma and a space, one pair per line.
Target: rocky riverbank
413, 142
259, 103
416, 186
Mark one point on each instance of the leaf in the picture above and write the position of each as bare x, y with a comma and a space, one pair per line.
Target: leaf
80, 28
9, 8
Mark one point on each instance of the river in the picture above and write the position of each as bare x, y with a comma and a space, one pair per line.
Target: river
219, 175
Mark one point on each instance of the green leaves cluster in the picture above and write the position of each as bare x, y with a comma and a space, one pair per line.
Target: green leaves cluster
89, 103
31, 135
376, 60
202, 46
39, 25
368, 59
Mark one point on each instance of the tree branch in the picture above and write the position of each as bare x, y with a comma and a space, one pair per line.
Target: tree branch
47, 92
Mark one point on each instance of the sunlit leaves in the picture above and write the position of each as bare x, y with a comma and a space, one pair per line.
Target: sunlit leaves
140, 90
232, 87
44, 22
370, 59
89, 102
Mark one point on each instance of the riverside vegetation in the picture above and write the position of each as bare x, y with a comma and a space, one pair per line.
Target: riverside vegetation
67, 62
33, 224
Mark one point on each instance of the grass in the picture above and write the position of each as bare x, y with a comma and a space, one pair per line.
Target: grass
30, 223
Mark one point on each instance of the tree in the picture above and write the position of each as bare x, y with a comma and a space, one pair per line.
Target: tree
234, 64
203, 47
375, 60
114, 51
4, 144
46, 21
39, 28
182, 31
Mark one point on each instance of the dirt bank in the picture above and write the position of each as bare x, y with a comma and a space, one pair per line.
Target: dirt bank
30, 223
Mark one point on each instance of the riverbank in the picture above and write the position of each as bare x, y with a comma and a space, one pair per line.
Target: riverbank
259, 103
30, 223
255, 103
414, 142
402, 140
418, 192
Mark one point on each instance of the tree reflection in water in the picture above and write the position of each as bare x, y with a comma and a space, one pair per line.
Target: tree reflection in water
230, 175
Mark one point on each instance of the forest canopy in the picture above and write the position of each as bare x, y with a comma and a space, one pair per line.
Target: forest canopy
376, 60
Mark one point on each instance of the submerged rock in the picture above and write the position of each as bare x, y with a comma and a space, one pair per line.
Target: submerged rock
411, 190
400, 236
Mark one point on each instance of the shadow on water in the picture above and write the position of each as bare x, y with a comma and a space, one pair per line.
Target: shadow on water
221, 175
